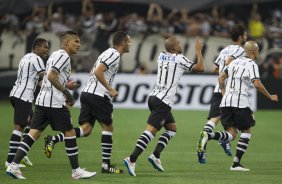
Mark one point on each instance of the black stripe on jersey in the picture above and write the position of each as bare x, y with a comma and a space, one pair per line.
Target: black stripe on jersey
235, 53
239, 95
56, 69
27, 77
184, 65
256, 76
39, 64
232, 84
190, 68
43, 102
173, 75
167, 69
238, 55
104, 62
113, 61
51, 98
255, 79
161, 72
64, 63
58, 60
40, 71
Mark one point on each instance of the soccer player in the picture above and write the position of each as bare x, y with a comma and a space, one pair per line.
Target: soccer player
171, 66
31, 69
96, 101
229, 53
51, 107
235, 107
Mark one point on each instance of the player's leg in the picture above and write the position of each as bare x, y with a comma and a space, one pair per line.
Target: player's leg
141, 145
21, 116
170, 132
244, 122
86, 121
61, 121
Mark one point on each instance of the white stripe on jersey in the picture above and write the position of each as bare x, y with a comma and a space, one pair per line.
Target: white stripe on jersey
241, 72
170, 69
49, 96
29, 68
110, 58
234, 51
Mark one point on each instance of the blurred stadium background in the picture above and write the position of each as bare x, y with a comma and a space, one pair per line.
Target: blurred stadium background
95, 20
23, 20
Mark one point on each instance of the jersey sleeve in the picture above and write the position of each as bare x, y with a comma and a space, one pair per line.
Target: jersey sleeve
39, 65
238, 53
110, 59
254, 71
62, 61
186, 63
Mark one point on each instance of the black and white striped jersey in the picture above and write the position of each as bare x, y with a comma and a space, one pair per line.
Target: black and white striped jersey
29, 68
234, 51
170, 68
49, 96
241, 72
110, 58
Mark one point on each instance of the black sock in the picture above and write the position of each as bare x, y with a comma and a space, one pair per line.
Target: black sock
24, 148
13, 145
107, 144
141, 145
72, 151
242, 147
162, 142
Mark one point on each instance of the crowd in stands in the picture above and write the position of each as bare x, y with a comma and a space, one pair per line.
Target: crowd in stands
95, 26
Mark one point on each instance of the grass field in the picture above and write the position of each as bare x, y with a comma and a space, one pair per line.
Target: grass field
179, 158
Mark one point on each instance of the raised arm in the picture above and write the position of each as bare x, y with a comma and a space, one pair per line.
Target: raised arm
199, 67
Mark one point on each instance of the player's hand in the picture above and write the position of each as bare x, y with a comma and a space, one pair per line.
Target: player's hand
274, 98
72, 85
69, 98
198, 45
113, 93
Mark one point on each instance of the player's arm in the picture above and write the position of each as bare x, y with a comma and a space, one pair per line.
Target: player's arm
228, 60
215, 69
53, 77
99, 73
199, 67
221, 81
260, 87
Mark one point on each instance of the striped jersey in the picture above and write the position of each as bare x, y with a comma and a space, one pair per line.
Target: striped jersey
241, 72
29, 68
170, 68
234, 51
110, 58
49, 96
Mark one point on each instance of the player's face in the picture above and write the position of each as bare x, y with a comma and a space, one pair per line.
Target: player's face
179, 47
244, 38
126, 44
256, 52
43, 50
73, 44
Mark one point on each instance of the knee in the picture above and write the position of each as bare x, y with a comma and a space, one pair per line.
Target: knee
171, 133
35, 134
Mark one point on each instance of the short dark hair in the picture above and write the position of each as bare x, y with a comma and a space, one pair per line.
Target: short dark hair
119, 37
38, 42
237, 31
68, 33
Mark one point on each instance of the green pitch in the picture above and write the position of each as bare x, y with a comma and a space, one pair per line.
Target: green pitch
179, 158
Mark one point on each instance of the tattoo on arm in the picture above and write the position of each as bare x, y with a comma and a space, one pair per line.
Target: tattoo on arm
53, 77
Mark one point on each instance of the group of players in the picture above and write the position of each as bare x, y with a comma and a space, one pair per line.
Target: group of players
235, 64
